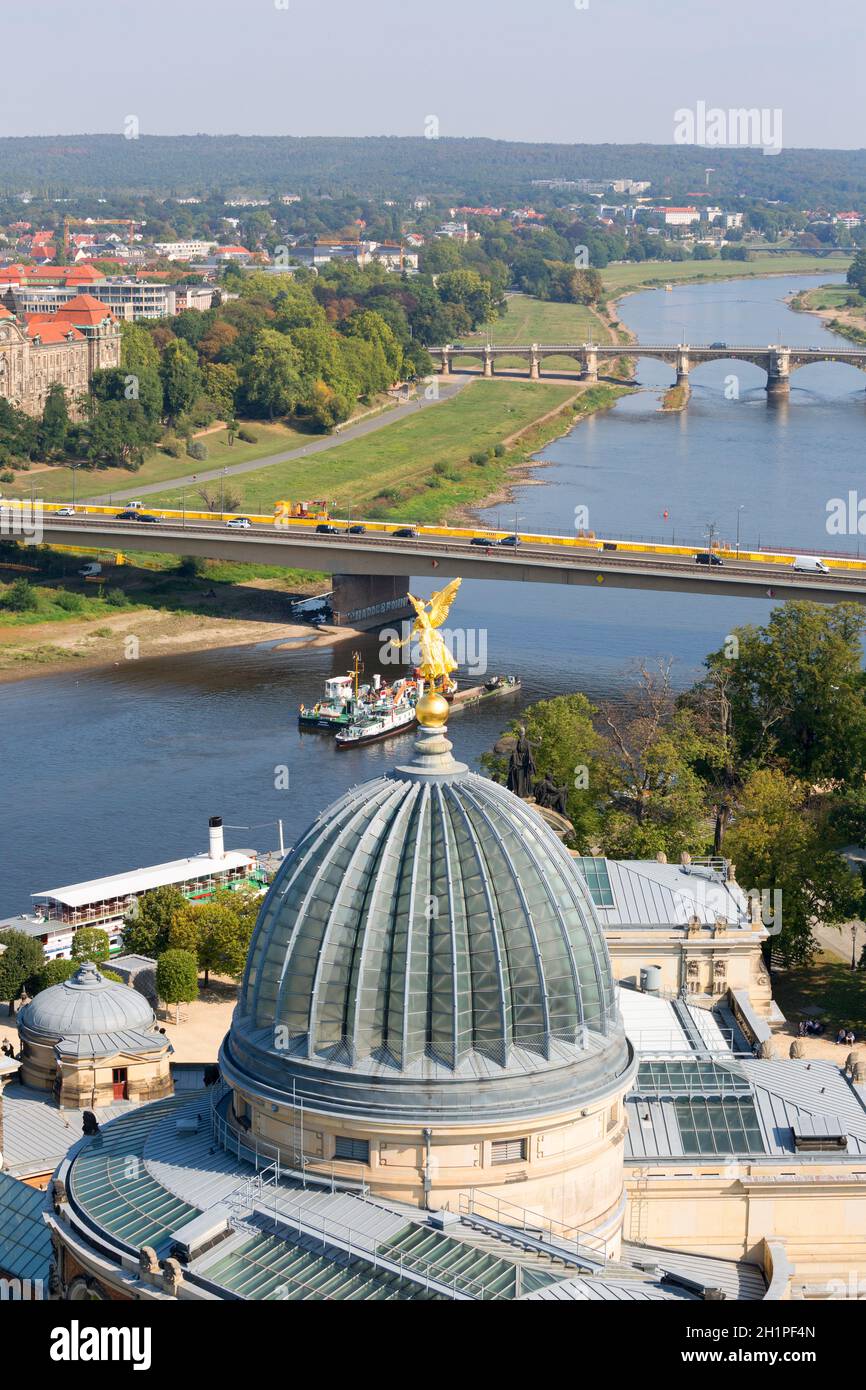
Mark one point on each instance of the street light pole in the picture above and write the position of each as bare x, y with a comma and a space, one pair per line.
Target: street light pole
739, 510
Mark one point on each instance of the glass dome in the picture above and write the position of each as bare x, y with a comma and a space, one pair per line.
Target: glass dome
429, 926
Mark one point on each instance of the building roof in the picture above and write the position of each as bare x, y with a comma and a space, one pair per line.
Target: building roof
48, 330
294, 1241
644, 893
695, 1108
136, 881
37, 1132
25, 1240
429, 925
84, 308
87, 1006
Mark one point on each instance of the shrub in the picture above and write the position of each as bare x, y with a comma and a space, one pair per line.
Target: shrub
479, 458
499, 451
116, 597
197, 450
21, 597
248, 437
7, 476
70, 603
172, 448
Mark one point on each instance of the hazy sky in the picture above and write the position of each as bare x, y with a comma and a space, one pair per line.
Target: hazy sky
615, 70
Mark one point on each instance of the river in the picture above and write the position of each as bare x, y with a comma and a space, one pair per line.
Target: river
114, 769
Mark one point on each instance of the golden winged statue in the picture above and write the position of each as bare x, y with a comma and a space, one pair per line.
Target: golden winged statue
436, 662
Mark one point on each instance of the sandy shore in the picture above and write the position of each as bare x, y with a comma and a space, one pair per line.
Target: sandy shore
53, 648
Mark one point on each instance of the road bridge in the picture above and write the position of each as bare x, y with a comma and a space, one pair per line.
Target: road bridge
778, 361
371, 571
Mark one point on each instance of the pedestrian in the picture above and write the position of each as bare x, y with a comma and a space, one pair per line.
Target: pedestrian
849, 1038
841, 1036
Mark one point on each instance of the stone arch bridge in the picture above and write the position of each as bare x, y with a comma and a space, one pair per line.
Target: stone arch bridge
777, 361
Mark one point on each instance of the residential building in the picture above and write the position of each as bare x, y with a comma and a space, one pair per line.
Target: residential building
38, 351
183, 250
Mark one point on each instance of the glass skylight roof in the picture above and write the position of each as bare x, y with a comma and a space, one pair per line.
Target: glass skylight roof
690, 1076
597, 879
728, 1126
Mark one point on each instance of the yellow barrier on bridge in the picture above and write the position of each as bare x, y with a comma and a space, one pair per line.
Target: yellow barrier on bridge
594, 543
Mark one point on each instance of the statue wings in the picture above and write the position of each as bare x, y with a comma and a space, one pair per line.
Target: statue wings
441, 601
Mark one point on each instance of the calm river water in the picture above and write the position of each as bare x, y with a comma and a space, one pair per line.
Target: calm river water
115, 769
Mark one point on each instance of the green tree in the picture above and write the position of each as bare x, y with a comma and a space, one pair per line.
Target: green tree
147, 928
566, 745
225, 928
54, 429
51, 972
778, 848
467, 289
797, 691
177, 977
180, 377
22, 957
90, 943
221, 382
270, 376
654, 798
373, 329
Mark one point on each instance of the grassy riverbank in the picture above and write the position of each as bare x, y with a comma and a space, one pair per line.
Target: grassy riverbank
626, 278
830, 302
434, 464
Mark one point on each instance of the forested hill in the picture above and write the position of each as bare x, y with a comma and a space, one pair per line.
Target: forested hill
476, 170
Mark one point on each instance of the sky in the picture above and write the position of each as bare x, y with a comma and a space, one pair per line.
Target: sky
569, 71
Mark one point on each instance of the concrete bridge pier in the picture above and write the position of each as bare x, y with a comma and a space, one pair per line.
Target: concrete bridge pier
445, 364
488, 362
779, 375
370, 600
534, 366
683, 367
589, 361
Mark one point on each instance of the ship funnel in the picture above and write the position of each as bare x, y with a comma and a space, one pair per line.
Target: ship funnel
216, 847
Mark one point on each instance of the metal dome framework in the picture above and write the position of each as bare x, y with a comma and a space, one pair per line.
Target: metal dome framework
428, 914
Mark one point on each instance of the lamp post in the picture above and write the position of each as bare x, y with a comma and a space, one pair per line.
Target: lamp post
740, 509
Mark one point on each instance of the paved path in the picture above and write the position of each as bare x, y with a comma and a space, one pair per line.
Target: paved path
837, 940
316, 446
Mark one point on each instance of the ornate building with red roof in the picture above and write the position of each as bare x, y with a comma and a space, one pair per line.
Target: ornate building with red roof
66, 347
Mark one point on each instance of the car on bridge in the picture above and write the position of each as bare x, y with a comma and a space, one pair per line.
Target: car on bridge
481, 540
239, 523
66, 511
716, 346
405, 533
509, 540
708, 557
130, 515
357, 530
326, 529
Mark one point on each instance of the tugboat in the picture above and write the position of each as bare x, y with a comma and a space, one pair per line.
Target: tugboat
344, 700
392, 716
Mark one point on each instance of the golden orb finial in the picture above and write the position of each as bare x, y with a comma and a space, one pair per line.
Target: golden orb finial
432, 710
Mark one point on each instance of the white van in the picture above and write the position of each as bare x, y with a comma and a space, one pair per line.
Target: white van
810, 564
91, 570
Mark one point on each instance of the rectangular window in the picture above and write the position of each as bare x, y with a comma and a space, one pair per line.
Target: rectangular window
357, 1150
509, 1151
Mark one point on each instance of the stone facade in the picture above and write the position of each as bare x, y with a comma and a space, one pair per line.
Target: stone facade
65, 348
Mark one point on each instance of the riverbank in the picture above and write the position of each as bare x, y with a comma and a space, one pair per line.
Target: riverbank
828, 302
151, 613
